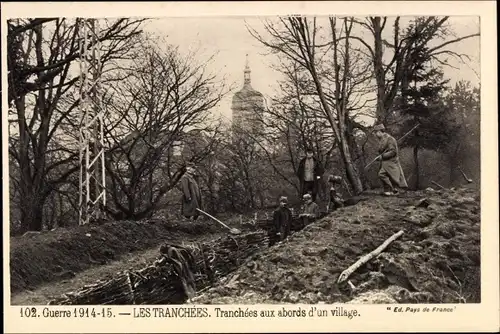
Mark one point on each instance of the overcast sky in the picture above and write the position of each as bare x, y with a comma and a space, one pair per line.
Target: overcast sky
228, 39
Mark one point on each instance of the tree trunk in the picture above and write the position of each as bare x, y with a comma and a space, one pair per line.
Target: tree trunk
150, 186
51, 219
32, 212
61, 222
417, 167
351, 172
379, 69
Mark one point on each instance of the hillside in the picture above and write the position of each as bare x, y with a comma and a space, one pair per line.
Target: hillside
437, 259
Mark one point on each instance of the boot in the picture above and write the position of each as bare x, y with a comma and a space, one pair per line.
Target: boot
388, 191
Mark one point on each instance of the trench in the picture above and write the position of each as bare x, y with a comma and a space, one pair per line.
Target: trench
181, 271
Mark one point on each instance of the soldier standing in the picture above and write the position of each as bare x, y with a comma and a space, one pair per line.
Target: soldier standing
191, 194
309, 174
391, 174
282, 220
335, 200
310, 210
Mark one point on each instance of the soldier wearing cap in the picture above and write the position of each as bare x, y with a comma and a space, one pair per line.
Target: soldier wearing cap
310, 210
191, 194
336, 200
282, 220
391, 174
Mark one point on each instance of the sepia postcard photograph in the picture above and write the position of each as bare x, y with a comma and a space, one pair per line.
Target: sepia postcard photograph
302, 164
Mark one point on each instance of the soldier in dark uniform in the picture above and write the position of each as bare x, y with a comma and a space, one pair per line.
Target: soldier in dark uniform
191, 194
282, 220
309, 173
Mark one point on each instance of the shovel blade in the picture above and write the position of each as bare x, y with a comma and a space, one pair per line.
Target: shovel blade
235, 231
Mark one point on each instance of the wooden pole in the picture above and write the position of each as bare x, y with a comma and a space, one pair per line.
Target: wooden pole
437, 184
232, 230
346, 187
348, 272
399, 140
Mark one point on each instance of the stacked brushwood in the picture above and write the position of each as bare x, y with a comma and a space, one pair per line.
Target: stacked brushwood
175, 277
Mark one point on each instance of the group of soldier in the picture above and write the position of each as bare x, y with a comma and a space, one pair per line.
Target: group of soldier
310, 173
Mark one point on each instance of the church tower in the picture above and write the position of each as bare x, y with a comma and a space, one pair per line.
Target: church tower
247, 109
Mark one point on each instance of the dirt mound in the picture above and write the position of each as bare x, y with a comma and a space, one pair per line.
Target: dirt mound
57, 255
436, 260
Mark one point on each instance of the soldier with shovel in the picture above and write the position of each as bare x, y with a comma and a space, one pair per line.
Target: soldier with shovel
191, 195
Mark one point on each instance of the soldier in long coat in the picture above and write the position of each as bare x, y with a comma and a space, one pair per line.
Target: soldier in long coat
391, 174
282, 220
309, 173
191, 194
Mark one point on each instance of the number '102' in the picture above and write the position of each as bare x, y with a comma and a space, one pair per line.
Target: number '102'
28, 312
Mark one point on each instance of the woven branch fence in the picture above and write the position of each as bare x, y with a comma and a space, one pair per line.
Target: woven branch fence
179, 273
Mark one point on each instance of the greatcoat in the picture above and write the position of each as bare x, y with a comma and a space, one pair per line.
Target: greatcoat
390, 166
318, 172
191, 196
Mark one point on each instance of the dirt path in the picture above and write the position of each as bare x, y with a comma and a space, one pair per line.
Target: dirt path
46, 292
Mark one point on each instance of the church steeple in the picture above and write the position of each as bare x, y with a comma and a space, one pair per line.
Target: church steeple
247, 108
247, 73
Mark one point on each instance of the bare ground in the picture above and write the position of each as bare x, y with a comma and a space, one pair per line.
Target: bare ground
436, 260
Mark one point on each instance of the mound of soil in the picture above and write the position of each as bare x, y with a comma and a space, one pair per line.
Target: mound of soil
57, 255
436, 260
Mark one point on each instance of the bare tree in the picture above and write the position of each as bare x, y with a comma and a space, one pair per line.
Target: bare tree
295, 121
165, 96
429, 33
247, 177
297, 38
41, 53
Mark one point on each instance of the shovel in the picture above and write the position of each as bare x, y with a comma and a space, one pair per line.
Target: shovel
232, 230
465, 175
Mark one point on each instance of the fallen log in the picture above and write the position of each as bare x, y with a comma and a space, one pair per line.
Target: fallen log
175, 276
348, 272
